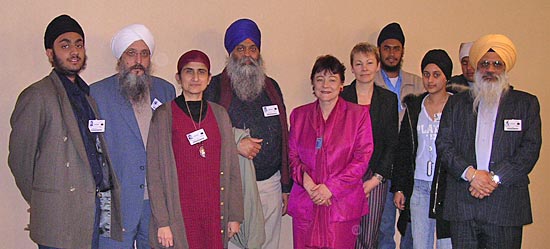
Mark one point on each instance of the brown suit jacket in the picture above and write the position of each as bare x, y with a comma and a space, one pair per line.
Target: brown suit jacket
162, 177
51, 169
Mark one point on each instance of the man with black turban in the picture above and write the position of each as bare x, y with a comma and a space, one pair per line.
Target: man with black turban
57, 153
490, 138
254, 101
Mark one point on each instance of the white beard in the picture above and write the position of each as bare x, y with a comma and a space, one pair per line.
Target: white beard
489, 91
247, 80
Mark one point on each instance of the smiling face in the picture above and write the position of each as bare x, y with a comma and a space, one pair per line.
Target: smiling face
136, 58
327, 86
68, 54
391, 53
193, 79
490, 66
364, 66
433, 78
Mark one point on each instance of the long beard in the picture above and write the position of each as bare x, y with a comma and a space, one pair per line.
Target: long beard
489, 91
247, 80
133, 87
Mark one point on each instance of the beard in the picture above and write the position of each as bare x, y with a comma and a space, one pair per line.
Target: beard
489, 91
61, 68
388, 68
247, 77
134, 87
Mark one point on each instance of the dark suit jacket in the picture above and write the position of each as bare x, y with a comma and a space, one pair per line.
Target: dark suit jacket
384, 116
513, 156
50, 166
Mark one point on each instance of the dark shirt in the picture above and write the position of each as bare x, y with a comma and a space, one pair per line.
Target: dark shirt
249, 115
77, 93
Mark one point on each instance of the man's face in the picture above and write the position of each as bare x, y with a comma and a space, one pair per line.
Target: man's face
391, 53
246, 49
491, 65
467, 69
136, 58
68, 54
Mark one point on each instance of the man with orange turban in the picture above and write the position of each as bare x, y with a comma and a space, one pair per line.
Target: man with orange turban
490, 139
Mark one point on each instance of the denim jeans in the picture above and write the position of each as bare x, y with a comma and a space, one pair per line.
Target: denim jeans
387, 227
423, 227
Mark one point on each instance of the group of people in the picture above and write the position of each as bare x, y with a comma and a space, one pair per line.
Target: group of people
124, 162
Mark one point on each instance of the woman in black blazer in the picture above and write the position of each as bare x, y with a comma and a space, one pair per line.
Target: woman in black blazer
365, 64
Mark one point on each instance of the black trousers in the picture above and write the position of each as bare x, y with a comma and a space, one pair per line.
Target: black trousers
476, 234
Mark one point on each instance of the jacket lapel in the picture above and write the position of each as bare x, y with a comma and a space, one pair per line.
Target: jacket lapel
126, 112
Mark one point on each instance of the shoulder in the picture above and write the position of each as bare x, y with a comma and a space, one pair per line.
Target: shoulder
218, 110
163, 112
161, 82
348, 91
413, 99
384, 93
303, 109
410, 77
104, 83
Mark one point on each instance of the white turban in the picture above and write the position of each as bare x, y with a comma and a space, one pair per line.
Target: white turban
464, 50
128, 35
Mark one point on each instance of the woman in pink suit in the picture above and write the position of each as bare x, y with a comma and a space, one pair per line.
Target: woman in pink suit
330, 144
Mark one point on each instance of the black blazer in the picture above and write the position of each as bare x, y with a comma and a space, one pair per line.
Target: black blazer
384, 119
513, 156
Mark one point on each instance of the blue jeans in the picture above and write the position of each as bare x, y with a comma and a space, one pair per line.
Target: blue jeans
423, 227
387, 227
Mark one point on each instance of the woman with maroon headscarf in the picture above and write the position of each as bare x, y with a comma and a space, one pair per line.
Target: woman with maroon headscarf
192, 166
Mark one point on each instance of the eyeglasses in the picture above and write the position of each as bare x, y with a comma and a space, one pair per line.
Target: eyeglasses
496, 64
242, 49
134, 53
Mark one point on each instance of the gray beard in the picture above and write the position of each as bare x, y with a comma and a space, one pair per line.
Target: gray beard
488, 91
134, 88
247, 80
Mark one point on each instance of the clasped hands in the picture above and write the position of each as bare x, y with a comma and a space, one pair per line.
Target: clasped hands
481, 183
318, 193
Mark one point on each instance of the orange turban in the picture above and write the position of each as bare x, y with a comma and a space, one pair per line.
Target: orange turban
501, 44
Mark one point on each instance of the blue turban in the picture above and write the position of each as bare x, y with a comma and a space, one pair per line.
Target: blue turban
239, 31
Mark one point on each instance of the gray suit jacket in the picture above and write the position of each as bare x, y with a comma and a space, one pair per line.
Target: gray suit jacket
51, 169
513, 156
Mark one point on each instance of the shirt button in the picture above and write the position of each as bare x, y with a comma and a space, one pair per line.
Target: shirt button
221, 173
141, 186
221, 231
142, 167
72, 189
65, 139
222, 188
221, 217
221, 203
67, 164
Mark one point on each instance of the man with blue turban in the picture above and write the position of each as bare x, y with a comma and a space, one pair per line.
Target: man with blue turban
490, 139
254, 102
127, 100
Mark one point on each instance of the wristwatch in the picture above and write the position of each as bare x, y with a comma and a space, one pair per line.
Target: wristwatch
379, 177
495, 178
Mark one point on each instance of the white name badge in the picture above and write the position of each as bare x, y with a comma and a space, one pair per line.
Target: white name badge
156, 103
96, 125
197, 136
270, 110
512, 125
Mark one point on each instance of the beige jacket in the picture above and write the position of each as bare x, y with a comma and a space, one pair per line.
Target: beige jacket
411, 84
162, 177
51, 169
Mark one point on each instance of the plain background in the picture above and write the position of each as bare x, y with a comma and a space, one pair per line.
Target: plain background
294, 33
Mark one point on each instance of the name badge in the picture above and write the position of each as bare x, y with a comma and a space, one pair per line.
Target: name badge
270, 110
96, 125
197, 136
318, 143
156, 103
512, 125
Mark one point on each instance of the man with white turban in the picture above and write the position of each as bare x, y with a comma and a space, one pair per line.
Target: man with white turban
126, 100
490, 139
462, 82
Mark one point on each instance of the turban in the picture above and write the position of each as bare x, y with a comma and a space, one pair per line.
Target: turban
130, 34
193, 56
501, 44
58, 26
391, 31
464, 50
239, 31
440, 58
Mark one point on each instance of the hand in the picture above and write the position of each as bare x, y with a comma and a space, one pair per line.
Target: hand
233, 228
483, 183
165, 236
369, 185
285, 203
321, 195
249, 147
399, 200
476, 193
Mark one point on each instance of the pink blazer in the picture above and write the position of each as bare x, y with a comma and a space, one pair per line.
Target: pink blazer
339, 161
